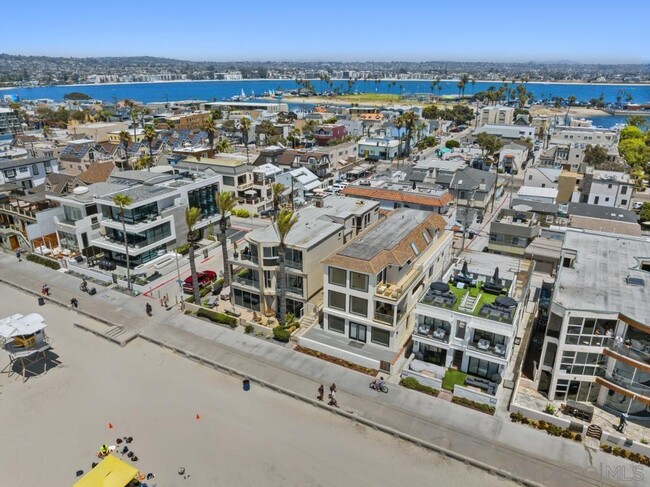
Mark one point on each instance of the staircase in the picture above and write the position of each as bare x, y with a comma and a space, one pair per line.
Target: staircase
468, 303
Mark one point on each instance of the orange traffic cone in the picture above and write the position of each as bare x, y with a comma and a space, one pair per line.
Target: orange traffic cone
110, 426
197, 416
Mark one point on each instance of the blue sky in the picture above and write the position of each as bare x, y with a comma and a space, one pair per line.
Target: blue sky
218, 30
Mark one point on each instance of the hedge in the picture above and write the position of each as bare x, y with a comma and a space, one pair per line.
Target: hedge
217, 317
241, 213
205, 290
479, 406
280, 334
413, 383
43, 261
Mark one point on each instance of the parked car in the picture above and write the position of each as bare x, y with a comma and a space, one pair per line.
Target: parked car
638, 205
204, 278
267, 213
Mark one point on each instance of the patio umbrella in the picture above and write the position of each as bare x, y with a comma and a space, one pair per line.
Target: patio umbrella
495, 277
441, 287
464, 271
250, 192
506, 302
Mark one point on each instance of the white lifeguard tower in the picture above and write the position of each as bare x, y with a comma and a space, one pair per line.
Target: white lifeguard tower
24, 339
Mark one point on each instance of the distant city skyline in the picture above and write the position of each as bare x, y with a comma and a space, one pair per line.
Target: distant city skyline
418, 30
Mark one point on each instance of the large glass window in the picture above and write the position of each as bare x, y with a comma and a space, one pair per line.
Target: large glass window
336, 324
336, 300
380, 337
228, 181
358, 332
358, 306
205, 199
482, 368
134, 215
294, 284
246, 299
72, 214
293, 258
337, 276
359, 281
68, 241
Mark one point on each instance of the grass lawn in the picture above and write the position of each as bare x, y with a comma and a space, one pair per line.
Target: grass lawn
453, 377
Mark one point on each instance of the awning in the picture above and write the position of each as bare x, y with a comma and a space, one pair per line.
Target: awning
18, 325
250, 192
111, 472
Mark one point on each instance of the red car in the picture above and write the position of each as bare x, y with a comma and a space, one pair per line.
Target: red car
204, 278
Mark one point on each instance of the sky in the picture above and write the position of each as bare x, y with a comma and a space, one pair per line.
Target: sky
354, 30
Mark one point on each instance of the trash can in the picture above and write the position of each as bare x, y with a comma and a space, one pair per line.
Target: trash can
41, 301
247, 385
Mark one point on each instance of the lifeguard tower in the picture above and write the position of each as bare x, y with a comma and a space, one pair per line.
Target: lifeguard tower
24, 339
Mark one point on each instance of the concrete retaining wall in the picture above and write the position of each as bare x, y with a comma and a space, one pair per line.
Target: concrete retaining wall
540, 416
629, 445
338, 353
475, 396
425, 380
100, 276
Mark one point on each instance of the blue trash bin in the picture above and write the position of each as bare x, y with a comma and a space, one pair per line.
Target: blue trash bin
41, 301
247, 385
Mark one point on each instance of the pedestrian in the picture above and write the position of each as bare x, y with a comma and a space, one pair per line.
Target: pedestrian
166, 302
622, 423
332, 401
74, 303
333, 388
18, 255
321, 392
149, 309
45, 290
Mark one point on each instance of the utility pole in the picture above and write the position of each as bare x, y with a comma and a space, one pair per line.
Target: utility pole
471, 195
293, 206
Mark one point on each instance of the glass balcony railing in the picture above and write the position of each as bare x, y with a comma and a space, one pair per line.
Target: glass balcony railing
246, 282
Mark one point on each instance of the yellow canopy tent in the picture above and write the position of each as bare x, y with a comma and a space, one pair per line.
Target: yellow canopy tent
110, 472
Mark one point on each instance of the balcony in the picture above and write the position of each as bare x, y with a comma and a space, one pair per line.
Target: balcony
152, 221
243, 258
295, 290
394, 291
484, 346
23, 212
433, 332
135, 247
293, 264
245, 281
633, 350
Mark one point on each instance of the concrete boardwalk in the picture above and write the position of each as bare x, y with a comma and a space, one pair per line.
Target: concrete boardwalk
521, 451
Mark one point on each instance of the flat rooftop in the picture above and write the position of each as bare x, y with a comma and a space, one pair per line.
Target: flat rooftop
598, 280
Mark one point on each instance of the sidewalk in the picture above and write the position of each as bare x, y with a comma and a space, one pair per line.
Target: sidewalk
523, 452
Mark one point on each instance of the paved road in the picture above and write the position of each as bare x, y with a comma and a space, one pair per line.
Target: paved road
54, 423
490, 440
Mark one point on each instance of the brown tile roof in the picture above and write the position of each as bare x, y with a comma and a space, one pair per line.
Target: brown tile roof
97, 172
399, 254
378, 194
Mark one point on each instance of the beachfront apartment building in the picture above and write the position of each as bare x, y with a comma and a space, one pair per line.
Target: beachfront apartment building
371, 285
597, 343
469, 317
155, 220
320, 230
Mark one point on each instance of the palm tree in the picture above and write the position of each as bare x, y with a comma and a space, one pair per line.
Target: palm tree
223, 145
125, 138
284, 222
399, 123
210, 127
47, 132
277, 189
170, 124
145, 161
122, 200
225, 203
193, 215
409, 119
150, 135
245, 125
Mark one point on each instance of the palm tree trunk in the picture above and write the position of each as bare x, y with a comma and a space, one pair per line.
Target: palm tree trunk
281, 289
150, 155
195, 280
126, 251
224, 251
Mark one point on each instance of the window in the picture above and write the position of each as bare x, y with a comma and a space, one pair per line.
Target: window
358, 332
359, 281
358, 306
336, 324
425, 236
34, 169
623, 189
247, 299
228, 181
415, 249
337, 276
624, 202
336, 300
609, 186
496, 237
482, 368
380, 337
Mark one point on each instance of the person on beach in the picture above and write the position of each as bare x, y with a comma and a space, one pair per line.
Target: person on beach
149, 309
333, 387
18, 255
74, 303
321, 392
45, 290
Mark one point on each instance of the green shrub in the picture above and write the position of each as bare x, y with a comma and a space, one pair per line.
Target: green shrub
578, 437
217, 317
248, 329
452, 144
202, 292
183, 249
549, 409
413, 383
37, 259
241, 213
479, 406
644, 441
280, 334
